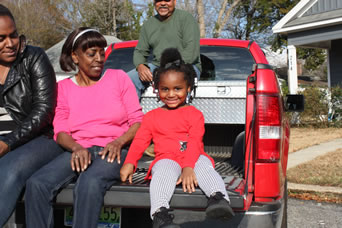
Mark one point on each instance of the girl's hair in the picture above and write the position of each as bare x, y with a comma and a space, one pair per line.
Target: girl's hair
4, 11
91, 38
171, 60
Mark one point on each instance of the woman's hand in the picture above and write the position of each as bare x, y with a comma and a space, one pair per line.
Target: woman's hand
127, 171
112, 150
4, 148
188, 180
80, 159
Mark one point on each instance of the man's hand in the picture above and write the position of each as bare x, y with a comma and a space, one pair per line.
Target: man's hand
4, 148
145, 74
188, 180
127, 172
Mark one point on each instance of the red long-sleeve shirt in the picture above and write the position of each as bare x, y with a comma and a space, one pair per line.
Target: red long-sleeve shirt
176, 134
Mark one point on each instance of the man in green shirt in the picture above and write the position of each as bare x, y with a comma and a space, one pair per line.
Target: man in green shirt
170, 28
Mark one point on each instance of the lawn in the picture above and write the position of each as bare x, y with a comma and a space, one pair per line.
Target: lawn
324, 170
301, 138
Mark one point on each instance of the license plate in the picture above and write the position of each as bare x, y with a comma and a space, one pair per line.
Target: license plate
110, 217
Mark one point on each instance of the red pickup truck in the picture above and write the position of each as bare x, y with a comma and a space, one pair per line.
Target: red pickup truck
247, 134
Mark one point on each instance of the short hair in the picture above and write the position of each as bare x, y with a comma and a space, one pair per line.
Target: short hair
4, 11
171, 60
87, 40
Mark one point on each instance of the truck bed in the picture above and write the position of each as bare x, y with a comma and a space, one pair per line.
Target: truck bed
137, 193
221, 128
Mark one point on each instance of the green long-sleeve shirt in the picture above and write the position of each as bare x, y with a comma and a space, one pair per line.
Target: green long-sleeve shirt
180, 31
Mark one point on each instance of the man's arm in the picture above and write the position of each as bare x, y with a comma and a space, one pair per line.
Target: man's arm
142, 50
141, 53
191, 40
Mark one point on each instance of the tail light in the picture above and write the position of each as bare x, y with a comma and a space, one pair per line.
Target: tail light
268, 128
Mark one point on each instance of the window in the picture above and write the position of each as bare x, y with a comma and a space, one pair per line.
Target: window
225, 63
120, 59
218, 63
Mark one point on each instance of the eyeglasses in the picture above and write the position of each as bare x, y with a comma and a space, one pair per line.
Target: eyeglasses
162, 1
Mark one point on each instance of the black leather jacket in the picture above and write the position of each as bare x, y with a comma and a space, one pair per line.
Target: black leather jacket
29, 95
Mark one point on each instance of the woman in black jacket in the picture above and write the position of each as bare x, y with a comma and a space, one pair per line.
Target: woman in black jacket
27, 98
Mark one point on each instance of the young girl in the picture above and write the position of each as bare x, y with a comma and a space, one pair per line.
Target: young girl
176, 130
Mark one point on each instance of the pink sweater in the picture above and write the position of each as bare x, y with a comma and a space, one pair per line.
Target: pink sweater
97, 114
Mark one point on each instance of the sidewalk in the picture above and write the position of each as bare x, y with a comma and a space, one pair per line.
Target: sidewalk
308, 154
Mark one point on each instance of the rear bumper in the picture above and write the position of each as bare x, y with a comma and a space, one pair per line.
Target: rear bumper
262, 215
190, 207
268, 215
259, 216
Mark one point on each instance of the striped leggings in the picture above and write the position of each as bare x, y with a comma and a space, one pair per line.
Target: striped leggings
166, 172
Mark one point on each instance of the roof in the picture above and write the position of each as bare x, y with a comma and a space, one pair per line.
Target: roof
310, 14
55, 52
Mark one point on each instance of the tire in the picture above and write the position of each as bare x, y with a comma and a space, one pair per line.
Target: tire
284, 219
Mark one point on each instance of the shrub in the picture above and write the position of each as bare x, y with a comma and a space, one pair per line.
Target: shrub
316, 108
335, 111
323, 108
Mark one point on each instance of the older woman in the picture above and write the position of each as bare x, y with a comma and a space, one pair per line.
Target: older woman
27, 99
96, 118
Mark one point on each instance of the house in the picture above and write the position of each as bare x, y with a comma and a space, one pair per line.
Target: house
314, 24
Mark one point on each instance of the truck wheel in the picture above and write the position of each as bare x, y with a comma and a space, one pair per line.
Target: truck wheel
284, 220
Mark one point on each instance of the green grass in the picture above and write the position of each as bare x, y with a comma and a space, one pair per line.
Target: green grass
324, 170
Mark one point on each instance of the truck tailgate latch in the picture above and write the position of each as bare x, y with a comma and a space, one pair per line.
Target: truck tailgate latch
223, 90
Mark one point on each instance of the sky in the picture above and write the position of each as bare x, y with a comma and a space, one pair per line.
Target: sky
141, 2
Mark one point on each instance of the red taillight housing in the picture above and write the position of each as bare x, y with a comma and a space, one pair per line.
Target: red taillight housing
268, 128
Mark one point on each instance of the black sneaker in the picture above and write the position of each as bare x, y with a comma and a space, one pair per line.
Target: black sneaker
218, 207
162, 219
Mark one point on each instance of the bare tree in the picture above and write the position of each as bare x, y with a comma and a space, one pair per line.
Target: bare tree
74, 10
113, 17
201, 20
224, 15
41, 21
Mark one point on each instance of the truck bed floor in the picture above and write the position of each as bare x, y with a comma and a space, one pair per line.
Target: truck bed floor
137, 193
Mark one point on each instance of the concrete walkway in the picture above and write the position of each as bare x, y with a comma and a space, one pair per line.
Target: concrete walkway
308, 154
312, 152
313, 188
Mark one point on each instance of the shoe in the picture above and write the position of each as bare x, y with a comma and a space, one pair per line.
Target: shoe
218, 207
162, 219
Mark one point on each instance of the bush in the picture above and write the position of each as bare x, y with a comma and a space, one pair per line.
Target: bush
323, 108
335, 112
316, 107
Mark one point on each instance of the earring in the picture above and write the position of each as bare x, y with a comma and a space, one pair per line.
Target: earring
157, 94
187, 99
